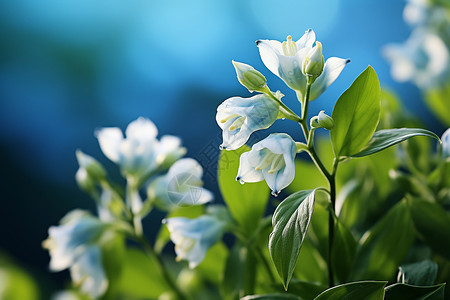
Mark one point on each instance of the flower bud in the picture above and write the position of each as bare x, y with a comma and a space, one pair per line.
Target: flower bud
249, 77
313, 62
93, 168
322, 121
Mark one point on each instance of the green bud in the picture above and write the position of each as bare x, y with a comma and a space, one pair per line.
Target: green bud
313, 63
322, 121
249, 77
84, 181
93, 168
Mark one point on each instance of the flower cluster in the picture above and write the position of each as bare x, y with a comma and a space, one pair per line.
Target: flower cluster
301, 65
424, 57
150, 166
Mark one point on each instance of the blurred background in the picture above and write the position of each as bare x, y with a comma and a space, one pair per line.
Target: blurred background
70, 67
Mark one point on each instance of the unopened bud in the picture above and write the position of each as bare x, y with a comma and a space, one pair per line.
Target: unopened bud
312, 65
322, 121
249, 77
93, 168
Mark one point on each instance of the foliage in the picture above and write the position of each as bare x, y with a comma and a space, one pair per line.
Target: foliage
336, 235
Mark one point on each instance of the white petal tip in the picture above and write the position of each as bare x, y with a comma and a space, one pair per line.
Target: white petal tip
275, 193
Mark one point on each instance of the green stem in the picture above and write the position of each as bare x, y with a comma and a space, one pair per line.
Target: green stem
160, 265
289, 114
309, 136
331, 217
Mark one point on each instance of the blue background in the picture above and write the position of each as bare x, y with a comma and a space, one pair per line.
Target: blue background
69, 67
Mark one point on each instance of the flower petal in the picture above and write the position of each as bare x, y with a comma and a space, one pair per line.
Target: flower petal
270, 51
246, 172
87, 272
141, 129
110, 140
333, 67
307, 40
290, 70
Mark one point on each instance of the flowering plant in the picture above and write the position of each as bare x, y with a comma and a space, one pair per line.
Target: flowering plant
333, 236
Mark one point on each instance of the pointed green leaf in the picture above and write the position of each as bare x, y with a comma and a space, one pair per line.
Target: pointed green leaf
271, 297
361, 290
247, 202
356, 114
382, 249
383, 139
432, 223
290, 224
423, 273
401, 291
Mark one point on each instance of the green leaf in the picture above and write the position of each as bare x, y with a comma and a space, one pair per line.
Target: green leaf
313, 266
385, 138
247, 202
290, 223
361, 290
385, 245
140, 277
271, 297
401, 291
437, 100
239, 274
356, 114
15, 282
422, 273
301, 182
344, 248
213, 266
432, 223
305, 289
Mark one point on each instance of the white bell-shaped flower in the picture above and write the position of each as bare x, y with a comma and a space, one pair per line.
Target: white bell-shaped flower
286, 59
181, 186
272, 160
422, 59
240, 117
87, 272
135, 154
193, 237
78, 228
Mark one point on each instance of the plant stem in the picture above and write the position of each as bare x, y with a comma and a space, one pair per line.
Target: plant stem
309, 136
332, 183
287, 111
160, 265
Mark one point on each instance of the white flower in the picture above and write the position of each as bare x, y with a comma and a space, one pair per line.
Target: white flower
67, 240
446, 144
74, 244
193, 237
423, 59
87, 272
285, 60
240, 117
135, 154
169, 150
272, 160
181, 186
